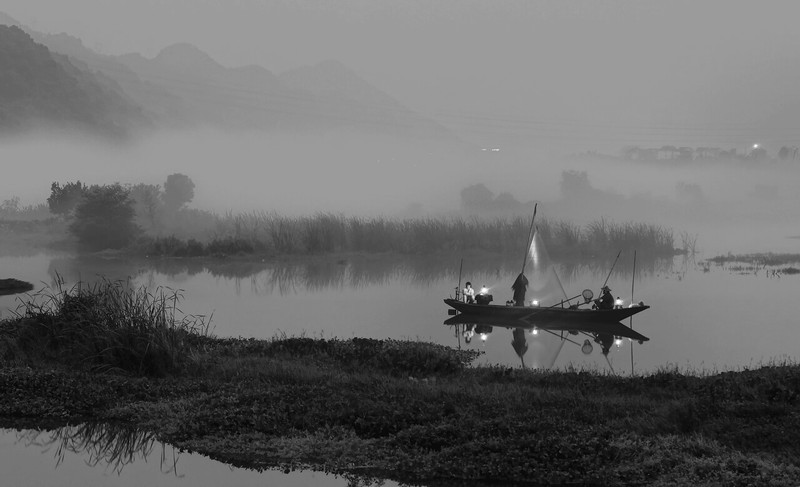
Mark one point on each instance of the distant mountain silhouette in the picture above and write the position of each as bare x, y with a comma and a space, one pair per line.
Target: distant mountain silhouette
41, 88
328, 95
343, 97
183, 86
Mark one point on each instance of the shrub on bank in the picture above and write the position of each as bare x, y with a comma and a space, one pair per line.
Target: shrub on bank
109, 326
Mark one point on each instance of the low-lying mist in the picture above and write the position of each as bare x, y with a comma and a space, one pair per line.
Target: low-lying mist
249, 171
728, 205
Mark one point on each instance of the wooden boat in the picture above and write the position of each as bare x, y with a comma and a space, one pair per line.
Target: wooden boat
543, 316
566, 315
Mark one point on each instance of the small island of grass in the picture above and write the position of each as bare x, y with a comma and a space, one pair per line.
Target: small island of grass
410, 411
14, 286
773, 264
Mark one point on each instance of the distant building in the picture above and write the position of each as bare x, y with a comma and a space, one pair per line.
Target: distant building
708, 153
668, 153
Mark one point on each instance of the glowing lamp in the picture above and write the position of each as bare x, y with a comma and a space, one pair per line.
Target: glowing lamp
535, 331
618, 302
483, 336
618, 342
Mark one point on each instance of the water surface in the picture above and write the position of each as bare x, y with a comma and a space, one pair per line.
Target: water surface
96, 454
700, 318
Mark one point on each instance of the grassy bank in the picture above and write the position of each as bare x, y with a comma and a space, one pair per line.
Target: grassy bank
406, 410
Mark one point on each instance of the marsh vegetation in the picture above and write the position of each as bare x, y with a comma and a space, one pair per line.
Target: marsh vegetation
401, 409
768, 263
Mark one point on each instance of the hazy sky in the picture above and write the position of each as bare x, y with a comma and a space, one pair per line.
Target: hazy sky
578, 74
558, 77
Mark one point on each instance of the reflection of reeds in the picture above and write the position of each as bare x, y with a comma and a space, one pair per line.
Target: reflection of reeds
105, 444
108, 326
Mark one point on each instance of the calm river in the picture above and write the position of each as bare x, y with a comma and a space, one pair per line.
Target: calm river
702, 319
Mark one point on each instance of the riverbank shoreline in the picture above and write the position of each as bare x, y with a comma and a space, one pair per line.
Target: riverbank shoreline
419, 413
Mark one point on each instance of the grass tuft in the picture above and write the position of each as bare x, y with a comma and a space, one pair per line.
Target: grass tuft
107, 326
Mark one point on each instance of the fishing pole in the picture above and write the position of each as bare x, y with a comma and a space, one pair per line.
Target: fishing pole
633, 281
530, 237
561, 337
612, 268
539, 310
458, 289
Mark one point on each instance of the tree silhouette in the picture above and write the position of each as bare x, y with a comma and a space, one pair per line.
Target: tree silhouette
104, 218
63, 200
178, 190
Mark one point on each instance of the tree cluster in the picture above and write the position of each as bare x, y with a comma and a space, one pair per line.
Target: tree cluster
478, 199
112, 216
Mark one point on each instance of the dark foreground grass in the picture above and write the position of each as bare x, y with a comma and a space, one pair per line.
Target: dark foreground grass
419, 413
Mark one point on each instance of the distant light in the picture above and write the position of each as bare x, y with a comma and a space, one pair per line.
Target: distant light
755, 146
496, 149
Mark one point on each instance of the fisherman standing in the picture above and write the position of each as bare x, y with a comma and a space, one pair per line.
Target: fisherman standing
520, 286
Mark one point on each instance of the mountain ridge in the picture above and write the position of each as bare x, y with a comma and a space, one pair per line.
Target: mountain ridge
182, 86
39, 87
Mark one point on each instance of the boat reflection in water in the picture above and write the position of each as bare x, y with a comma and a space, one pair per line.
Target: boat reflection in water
569, 319
604, 334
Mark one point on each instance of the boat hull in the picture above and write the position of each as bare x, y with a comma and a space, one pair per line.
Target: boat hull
546, 317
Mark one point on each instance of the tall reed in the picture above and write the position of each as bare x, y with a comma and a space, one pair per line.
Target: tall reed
106, 326
321, 233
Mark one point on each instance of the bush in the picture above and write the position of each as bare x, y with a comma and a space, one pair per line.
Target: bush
104, 219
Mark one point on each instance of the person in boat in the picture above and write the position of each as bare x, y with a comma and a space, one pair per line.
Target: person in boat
520, 286
469, 293
483, 296
469, 332
606, 299
605, 340
520, 343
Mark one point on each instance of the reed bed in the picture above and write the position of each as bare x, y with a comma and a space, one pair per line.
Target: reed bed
270, 233
107, 326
